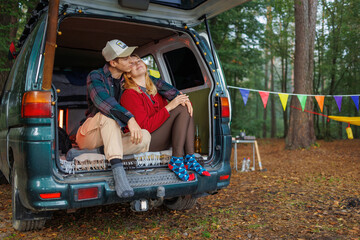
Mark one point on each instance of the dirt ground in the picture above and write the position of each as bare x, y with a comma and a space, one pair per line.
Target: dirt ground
304, 194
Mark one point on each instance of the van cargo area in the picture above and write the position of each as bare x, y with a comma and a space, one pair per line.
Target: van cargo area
167, 53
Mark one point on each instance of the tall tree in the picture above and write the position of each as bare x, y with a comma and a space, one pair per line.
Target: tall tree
268, 56
301, 128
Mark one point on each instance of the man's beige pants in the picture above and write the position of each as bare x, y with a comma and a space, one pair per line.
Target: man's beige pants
103, 131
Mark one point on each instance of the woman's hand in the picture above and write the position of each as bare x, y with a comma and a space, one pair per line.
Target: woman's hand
189, 107
179, 99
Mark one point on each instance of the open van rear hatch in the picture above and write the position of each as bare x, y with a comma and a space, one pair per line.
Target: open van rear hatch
172, 12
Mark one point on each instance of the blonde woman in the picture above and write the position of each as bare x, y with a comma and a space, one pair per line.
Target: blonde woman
169, 123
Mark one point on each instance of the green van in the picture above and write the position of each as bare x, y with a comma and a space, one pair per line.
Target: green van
37, 124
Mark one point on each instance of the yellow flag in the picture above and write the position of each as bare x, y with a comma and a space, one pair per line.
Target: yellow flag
154, 73
283, 98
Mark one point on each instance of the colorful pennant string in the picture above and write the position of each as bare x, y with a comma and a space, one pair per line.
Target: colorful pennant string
245, 95
320, 101
264, 97
283, 98
338, 100
245, 92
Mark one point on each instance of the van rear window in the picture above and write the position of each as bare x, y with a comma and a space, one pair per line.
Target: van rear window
186, 5
183, 68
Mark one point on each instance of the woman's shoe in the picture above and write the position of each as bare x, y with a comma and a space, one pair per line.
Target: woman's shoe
191, 164
176, 164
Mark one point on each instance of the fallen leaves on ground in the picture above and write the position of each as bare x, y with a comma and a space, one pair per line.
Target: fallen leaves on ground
309, 193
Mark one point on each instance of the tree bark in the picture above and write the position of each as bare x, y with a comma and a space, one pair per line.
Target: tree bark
284, 71
273, 110
265, 87
301, 128
268, 29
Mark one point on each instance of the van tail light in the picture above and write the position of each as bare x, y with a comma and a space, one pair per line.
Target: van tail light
50, 195
36, 104
224, 177
87, 193
225, 108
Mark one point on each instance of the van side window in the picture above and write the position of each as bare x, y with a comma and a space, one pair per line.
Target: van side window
152, 66
183, 68
149, 60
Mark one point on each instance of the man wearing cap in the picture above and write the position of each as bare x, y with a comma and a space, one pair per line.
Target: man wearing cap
105, 117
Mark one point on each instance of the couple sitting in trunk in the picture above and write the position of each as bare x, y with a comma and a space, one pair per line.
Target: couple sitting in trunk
138, 120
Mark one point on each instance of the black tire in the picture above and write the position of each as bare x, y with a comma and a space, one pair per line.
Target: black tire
180, 203
3, 179
18, 209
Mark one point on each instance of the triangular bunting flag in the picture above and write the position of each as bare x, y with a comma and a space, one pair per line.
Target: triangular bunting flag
356, 101
245, 95
338, 100
302, 100
264, 97
283, 98
12, 51
320, 101
154, 73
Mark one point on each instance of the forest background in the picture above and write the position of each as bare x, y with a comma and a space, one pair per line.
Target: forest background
256, 44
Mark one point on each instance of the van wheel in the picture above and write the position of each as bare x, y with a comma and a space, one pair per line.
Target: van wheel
3, 179
180, 203
32, 222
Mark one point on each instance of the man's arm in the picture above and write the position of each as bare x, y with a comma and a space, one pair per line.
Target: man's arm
166, 90
102, 100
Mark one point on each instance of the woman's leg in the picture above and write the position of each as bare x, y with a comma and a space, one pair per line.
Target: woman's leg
190, 136
174, 131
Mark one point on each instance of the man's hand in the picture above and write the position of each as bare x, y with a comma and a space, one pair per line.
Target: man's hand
135, 131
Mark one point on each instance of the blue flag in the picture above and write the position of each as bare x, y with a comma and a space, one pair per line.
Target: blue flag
245, 95
356, 101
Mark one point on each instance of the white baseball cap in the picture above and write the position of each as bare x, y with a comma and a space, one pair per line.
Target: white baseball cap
116, 48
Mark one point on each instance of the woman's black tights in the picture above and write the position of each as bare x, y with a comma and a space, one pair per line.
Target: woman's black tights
177, 131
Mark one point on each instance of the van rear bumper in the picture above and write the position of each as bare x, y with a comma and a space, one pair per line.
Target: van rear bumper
107, 195
38, 180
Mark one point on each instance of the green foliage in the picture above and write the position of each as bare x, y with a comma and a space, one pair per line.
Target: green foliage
245, 42
338, 62
14, 15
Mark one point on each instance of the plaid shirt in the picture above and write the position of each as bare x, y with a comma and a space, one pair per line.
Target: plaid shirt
100, 95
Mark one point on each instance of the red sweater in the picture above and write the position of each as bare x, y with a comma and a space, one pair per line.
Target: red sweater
148, 115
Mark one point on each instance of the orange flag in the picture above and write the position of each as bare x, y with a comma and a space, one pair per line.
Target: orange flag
320, 101
264, 97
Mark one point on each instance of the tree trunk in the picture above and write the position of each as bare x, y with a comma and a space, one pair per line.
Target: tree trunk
284, 89
234, 100
268, 28
272, 99
301, 128
265, 87
340, 130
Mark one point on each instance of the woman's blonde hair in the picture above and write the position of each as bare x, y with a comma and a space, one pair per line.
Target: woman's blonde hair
130, 83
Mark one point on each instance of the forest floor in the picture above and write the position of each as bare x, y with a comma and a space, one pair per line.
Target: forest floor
309, 193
